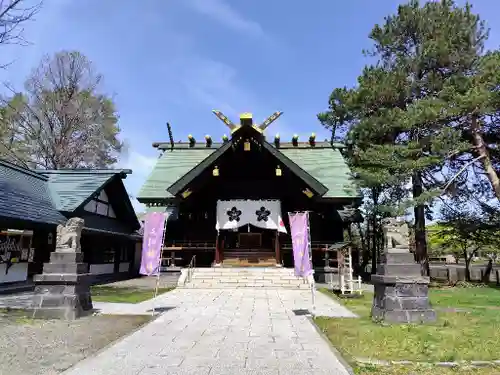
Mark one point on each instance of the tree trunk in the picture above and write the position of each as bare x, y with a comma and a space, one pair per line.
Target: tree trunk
487, 271
467, 264
373, 232
468, 259
483, 152
365, 250
420, 237
373, 243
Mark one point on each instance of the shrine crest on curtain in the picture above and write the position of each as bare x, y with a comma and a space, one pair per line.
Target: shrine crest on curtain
265, 214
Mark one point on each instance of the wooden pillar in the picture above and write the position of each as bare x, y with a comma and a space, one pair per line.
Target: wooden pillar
327, 258
277, 246
172, 259
218, 257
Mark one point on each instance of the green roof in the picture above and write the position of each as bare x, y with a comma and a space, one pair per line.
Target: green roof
70, 188
328, 166
323, 162
169, 168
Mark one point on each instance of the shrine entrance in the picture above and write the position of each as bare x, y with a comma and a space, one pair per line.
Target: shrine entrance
249, 232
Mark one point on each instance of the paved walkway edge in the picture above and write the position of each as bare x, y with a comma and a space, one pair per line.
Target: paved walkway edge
334, 350
108, 346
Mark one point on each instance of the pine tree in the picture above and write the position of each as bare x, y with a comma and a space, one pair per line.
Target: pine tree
402, 119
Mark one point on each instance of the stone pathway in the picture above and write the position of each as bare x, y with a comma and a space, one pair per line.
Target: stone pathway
218, 332
16, 301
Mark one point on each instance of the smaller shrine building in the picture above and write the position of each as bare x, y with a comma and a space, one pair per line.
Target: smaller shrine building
229, 201
34, 202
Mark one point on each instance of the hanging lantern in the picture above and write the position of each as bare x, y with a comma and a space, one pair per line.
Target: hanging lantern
215, 172
246, 145
295, 140
278, 171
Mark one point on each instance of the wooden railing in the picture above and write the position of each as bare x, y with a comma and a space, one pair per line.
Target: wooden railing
317, 246
189, 245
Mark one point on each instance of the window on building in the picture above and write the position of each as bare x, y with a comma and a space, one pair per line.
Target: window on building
124, 254
100, 205
103, 255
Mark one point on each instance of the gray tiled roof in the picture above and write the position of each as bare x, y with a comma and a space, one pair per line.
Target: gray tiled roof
24, 195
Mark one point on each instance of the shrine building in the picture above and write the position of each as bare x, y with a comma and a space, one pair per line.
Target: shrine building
229, 201
34, 202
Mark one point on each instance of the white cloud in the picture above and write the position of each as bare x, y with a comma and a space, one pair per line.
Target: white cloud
141, 166
226, 15
213, 84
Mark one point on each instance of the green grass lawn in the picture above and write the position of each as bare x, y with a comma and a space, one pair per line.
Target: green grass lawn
425, 370
473, 334
102, 293
466, 297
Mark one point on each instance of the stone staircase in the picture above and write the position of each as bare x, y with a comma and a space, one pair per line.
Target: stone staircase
242, 277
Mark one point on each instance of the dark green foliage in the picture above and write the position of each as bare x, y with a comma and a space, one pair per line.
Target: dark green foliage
408, 120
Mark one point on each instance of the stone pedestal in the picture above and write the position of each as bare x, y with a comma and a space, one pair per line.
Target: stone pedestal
62, 291
401, 293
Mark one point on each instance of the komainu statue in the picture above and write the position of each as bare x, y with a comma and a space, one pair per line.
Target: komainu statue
68, 236
397, 234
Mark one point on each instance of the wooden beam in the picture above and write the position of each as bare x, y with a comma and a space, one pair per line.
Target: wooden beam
270, 120
278, 248
221, 116
218, 241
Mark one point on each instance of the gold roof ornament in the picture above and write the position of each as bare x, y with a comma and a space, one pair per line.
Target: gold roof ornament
246, 118
221, 116
268, 121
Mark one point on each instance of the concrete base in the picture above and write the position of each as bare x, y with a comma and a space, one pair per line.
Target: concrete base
401, 293
63, 290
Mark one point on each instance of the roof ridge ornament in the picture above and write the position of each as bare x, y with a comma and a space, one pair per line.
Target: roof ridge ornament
247, 119
268, 121
221, 116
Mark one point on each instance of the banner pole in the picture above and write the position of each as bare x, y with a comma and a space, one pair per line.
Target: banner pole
313, 297
158, 270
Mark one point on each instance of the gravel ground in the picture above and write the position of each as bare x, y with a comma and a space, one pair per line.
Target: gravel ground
48, 347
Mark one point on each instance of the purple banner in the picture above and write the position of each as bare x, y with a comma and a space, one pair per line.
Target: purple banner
299, 228
152, 242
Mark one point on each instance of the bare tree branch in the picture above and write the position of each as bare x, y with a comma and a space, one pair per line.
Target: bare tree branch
13, 15
63, 119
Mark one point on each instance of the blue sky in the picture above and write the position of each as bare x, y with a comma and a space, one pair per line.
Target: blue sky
176, 60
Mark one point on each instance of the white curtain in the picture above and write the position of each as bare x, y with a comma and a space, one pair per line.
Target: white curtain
233, 214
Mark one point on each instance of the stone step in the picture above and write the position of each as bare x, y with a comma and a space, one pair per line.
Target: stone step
268, 278
238, 286
239, 282
244, 276
244, 269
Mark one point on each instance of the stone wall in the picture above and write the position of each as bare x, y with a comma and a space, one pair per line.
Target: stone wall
454, 273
